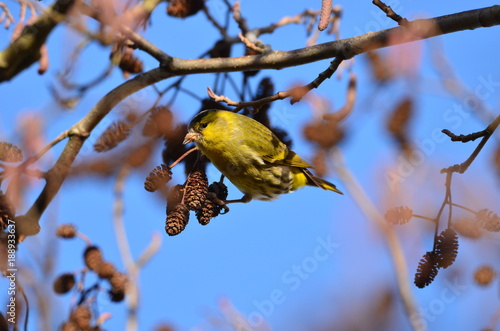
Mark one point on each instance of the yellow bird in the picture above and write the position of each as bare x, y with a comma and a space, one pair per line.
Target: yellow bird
250, 155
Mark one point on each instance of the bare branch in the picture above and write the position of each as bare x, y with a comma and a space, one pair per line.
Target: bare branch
6, 16
150, 251
255, 104
216, 24
390, 13
133, 268
343, 112
486, 134
25, 50
251, 45
297, 19
240, 20
394, 245
296, 93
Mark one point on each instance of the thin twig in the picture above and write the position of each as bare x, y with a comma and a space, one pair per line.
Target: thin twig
395, 249
133, 268
63, 135
84, 238
124, 248
216, 24
347, 108
239, 19
150, 251
461, 168
23, 167
486, 134
464, 138
454, 86
121, 235
390, 13
433, 220
182, 157
465, 208
296, 93
26, 301
242, 104
450, 201
441, 209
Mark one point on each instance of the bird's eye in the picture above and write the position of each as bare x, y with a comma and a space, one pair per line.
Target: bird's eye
203, 125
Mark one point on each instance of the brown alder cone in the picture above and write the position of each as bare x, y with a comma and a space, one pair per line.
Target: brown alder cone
130, 63
97, 167
326, 133
118, 281
159, 123
66, 231
184, 8
164, 328
10, 153
174, 197
157, 178
64, 283
139, 155
398, 124
211, 208
106, 270
399, 215
222, 48
496, 160
7, 211
81, 316
447, 248
489, 220
196, 190
116, 296
468, 228
112, 136
427, 270
381, 71
177, 220
264, 89
93, 257
319, 162
173, 144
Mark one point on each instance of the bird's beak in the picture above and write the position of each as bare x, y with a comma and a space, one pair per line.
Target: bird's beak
191, 136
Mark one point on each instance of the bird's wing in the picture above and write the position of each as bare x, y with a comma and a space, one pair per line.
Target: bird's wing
280, 154
293, 160
267, 146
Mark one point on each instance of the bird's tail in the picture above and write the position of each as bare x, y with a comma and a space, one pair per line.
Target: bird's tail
319, 182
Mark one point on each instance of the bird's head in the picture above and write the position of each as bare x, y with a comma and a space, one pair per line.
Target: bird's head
199, 124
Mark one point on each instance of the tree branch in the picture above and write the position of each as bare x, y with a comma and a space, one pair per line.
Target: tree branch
25, 50
346, 48
394, 245
28, 224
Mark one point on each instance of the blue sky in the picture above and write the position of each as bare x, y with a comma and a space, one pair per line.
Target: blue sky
310, 258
